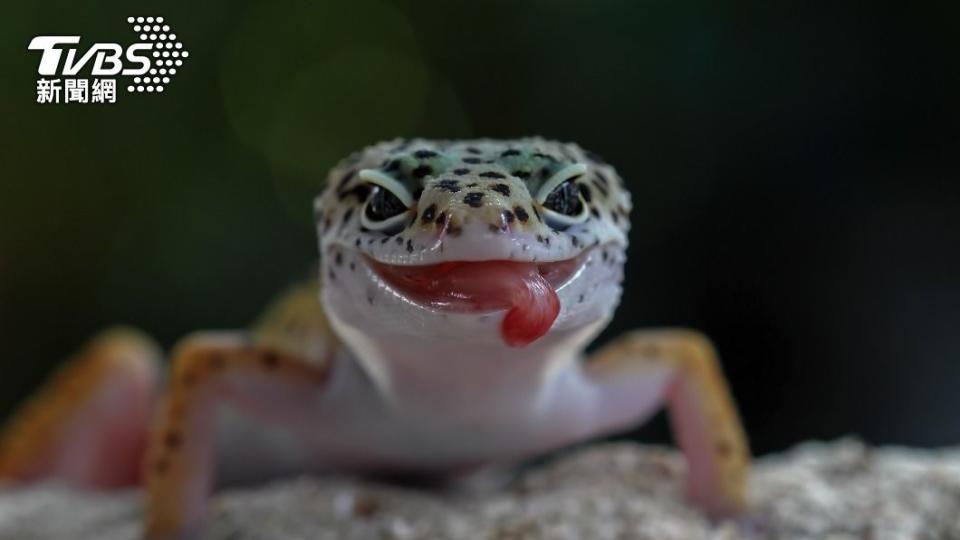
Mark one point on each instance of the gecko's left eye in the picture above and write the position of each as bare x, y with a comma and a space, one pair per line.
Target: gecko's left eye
383, 205
386, 209
561, 199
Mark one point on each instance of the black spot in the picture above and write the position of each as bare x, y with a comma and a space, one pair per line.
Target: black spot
491, 174
409, 246
327, 223
523, 175
424, 154
510, 152
601, 178
347, 215
474, 199
580, 299
585, 192
522, 214
508, 216
353, 266
602, 189
594, 212
429, 213
422, 171
473, 150
545, 173
384, 240
357, 243
472, 160
604, 256
172, 440
441, 220
370, 300
450, 185
338, 259
270, 360
460, 172
575, 241
501, 188
346, 178
473, 184
540, 238
537, 213
393, 165
399, 240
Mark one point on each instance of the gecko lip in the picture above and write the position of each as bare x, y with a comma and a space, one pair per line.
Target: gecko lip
526, 289
470, 286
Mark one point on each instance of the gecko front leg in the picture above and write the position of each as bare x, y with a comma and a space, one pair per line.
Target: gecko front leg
704, 418
87, 426
210, 369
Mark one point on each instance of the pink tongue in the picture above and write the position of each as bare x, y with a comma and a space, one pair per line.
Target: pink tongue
531, 301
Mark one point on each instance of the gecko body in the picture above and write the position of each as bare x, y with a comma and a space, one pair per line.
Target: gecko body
460, 282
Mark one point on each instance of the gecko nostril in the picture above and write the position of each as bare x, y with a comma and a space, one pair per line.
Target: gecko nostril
429, 213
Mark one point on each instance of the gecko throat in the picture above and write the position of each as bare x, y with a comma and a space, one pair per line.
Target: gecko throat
526, 290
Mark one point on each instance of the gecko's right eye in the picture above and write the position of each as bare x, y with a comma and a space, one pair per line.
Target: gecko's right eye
388, 205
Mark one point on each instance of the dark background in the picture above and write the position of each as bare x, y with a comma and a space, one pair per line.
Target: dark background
794, 170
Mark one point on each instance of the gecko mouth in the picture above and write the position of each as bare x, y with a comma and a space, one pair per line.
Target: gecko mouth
527, 290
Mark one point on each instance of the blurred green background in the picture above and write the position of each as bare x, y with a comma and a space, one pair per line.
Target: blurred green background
794, 170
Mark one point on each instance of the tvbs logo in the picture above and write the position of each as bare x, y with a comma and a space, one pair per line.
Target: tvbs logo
150, 64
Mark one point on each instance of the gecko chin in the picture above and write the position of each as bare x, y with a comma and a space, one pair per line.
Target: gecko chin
526, 291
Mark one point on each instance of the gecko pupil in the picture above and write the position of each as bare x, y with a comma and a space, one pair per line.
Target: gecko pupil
384, 205
565, 199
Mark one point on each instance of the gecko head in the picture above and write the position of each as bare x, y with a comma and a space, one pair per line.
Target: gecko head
480, 242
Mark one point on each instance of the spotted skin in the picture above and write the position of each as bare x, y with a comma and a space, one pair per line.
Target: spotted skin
370, 379
458, 184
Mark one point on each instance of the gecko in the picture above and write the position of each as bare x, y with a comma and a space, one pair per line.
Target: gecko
459, 284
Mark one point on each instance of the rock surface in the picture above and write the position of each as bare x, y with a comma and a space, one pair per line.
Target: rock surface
837, 491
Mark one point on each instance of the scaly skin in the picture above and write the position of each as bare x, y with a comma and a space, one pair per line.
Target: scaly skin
461, 282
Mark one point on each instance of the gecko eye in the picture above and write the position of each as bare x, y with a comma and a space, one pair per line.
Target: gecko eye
383, 205
561, 199
386, 209
565, 199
